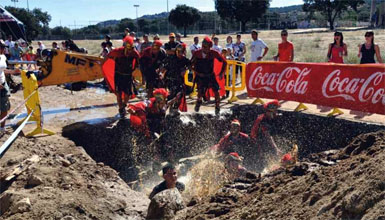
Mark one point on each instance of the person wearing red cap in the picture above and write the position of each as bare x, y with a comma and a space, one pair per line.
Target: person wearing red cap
148, 116
203, 66
151, 62
262, 131
126, 60
175, 68
233, 141
233, 165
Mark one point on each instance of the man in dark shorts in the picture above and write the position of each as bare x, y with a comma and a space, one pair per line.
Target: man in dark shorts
170, 177
126, 60
151, 62
175, 67
203, 65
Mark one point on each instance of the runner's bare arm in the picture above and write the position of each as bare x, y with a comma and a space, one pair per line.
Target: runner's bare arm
359, 50
329, 55
345, 50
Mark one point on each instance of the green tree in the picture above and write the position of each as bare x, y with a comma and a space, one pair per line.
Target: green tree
330, 9
184, 16
144, 25
61, 31
35, 21
241, 10
125, 23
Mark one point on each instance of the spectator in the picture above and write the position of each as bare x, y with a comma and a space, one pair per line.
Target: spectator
109, 46
239, 49
285, 49
41, 45
170, 177
63, 46
368, 49
137, 44
4, 89
156, 37
132, 34
179, 38
337, 49
171, 45
55, 46
256, 47
16, 52
126, 32
9, 44
104, 51
194, 47
229, 42
30, 56
146, 43
216, 47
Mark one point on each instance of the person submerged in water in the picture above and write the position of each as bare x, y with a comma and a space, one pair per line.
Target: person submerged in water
170, 177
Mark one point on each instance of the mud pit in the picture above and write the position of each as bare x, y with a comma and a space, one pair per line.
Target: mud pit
190, 134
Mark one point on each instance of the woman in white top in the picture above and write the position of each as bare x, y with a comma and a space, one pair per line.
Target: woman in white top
4, 89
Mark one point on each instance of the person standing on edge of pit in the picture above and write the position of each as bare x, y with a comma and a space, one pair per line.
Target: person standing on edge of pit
256, 47
156, 37
146, 43
151, 62
368, 49
16, 52
337, 49
126, 60
55, 46
126, 32
4, 89
216, 47
285, 49
239, 49
107, 39
170, 177
202, 63
171, 45
229, 42
194, 47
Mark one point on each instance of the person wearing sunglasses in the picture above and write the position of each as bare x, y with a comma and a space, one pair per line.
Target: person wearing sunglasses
262, 134
285, 49
202, 63
5, 105
368, 49
170, 177
337, 49
151, 63
126, 60
171, 45
174, 70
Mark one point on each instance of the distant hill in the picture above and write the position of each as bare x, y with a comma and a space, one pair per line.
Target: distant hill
286, 9
155, 16
107, 23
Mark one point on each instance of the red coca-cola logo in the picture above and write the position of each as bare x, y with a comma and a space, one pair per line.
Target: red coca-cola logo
290, 80
369, 89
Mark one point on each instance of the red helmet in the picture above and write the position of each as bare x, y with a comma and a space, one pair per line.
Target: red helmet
157, 43
128, 40
208, 41
271, 105
236, 122
161, 93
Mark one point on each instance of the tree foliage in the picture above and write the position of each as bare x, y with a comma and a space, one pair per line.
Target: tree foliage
35, 21
242, 10
61, 31
184, 16
330, 9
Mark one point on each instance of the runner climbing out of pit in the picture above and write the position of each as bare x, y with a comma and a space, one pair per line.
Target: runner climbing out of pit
151, 63
148, 116
170, 177
126, 60
175, 68
262, 133
233, 141
203, 66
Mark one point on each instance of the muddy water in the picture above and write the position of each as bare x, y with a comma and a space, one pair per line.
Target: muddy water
118, 146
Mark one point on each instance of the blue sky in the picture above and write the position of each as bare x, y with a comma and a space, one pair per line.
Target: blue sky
86, 12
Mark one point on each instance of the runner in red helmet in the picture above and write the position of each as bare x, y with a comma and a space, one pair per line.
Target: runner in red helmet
233, 165
151, 63
203, 66
126, 60
262, 131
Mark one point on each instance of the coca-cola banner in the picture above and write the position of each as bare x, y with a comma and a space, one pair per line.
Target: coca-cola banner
356, 87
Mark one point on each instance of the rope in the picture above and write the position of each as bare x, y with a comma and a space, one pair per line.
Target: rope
12, 138
17, 107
